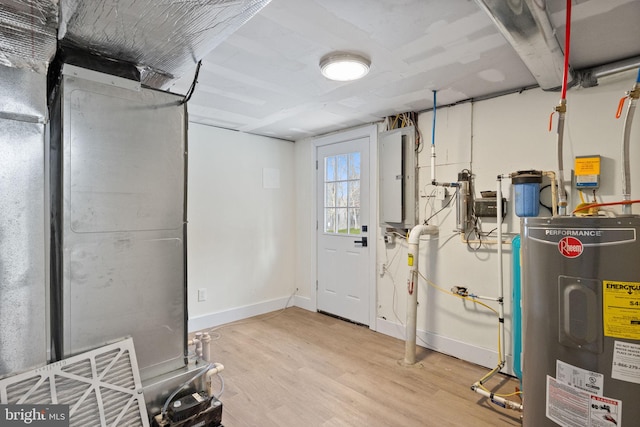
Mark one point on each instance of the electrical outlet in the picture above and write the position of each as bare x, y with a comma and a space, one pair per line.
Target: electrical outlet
202, 294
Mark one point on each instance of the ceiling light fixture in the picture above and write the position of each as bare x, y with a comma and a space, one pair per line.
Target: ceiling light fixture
344, 67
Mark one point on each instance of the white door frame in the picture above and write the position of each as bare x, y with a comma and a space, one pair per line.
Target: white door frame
370, 131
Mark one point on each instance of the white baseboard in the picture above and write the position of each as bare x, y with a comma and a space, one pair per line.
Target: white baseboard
305, 303
212, 320
461, 350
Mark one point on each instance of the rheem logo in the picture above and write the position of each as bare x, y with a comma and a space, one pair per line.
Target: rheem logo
570, 247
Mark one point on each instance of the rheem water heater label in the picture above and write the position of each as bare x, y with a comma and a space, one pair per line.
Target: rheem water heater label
569, 406
621, 309
592, 382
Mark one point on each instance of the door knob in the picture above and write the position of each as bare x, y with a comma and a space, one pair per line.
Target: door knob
363, 242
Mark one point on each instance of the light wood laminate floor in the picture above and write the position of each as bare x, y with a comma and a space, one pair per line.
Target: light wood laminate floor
299, 368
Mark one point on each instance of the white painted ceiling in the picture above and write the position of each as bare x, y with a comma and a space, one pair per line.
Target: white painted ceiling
264, 78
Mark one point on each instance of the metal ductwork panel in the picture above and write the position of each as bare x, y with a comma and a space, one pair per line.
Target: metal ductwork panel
118, 167
23, 305
23, 95
28, 30
164, 38
22, 246
526, 26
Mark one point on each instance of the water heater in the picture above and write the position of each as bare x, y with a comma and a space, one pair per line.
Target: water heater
581, 321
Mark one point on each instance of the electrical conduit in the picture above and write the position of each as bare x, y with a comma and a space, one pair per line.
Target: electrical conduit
412, 289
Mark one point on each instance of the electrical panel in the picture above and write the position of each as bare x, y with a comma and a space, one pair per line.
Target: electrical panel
397, 174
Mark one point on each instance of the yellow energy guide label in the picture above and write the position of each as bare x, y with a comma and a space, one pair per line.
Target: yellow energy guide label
621, 309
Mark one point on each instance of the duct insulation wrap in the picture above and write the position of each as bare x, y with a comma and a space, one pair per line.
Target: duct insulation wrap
28, 30
164, 38
581, 321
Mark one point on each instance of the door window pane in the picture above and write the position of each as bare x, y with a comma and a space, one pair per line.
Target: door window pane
330, 194
354, 221
342, 164
329, 169
342, 194
354, 166
330, 220
341, 220
354, 193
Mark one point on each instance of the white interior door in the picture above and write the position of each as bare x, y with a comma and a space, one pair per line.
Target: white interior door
343, 229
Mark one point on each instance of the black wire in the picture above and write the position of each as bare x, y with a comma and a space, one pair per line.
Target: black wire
192, 88
489, 233
478, 235
549, 208
426, 221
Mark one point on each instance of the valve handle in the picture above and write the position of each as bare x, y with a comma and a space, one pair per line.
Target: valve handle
551, 120
620, 106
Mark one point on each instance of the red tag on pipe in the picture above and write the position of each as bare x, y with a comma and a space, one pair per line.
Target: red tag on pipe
620, 107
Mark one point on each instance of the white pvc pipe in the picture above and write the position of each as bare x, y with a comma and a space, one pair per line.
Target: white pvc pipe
216, 369
500, 270
433, 163
412, 289
197, 343
433, 141
206, 346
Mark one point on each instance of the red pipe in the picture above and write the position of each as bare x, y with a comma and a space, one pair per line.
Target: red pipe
567, 42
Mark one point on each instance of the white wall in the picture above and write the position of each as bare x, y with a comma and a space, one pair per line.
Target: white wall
241, 225
250, 247
305, 224
490, 137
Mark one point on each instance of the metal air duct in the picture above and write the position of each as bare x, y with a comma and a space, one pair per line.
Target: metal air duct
163, 38
526, 26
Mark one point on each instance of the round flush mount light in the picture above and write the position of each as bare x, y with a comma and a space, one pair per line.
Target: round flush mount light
344, 67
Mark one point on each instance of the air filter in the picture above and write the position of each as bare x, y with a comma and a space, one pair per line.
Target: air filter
102, 387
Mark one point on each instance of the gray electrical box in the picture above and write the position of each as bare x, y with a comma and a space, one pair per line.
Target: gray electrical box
397, 173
